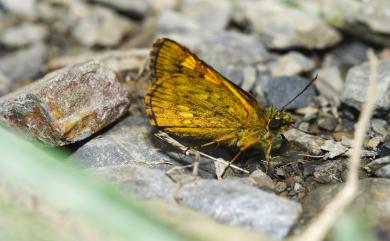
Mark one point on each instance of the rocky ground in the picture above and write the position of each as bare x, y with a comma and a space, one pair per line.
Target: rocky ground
74, 74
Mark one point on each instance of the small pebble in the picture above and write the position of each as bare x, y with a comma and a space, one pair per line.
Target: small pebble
374, 142
339, 135
383, 171
333, 148
346, 141
280, 186
327, 123
328, 172
280, 172
380, 127
262, 180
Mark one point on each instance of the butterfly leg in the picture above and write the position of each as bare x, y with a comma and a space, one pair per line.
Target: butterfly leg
284, 138
179, 180
203, 145
231, 162
196, 162
208, 144
268, 155
224, 138
248, 144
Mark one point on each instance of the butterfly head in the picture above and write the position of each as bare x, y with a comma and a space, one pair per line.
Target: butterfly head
279, 121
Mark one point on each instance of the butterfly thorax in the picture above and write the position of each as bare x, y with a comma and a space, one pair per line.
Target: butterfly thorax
273, 122
278, 121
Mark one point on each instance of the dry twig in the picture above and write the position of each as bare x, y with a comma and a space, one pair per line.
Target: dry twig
165, 137
320, 226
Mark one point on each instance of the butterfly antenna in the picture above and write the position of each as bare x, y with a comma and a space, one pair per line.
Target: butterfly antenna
300, 93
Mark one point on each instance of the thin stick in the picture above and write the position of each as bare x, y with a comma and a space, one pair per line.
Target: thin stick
319, 228
165, 137
312, 156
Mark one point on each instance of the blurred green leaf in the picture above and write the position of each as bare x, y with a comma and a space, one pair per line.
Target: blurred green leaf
69, 188
292, 3
353, 226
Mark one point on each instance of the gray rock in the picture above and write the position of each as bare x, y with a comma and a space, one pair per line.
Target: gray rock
356, 85
202, 16
365, 153
280, 90
62, 15
309, 142
373, 200
117, 60
134, 8
304, 125
67, 105
242, 48
259, 90
24, 64
282, 26
24, 34
229, 201
376, 164
333, 148
170, 21
25, 7
379, 127
138, 179
328, 172
330, 83
101, 26
375, 16
365, 19
374, 142
232, 202
280, 187
292, 63
3, 21
131, 141
383, 171
210, 15
231, 52
347, 142
262, 180
347, 55
249, 78
328, 123
159, 6
5, 85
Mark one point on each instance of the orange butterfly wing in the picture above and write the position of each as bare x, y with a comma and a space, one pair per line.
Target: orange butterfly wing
190, 98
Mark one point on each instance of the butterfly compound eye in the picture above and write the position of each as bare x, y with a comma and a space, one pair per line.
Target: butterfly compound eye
275, 124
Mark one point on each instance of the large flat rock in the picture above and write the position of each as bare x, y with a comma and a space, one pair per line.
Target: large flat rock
232, 201
356, 84
131, 142
67, 105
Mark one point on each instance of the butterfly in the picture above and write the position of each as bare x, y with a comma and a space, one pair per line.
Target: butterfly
189, 98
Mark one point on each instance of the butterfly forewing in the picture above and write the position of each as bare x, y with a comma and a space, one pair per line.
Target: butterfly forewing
189, 98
